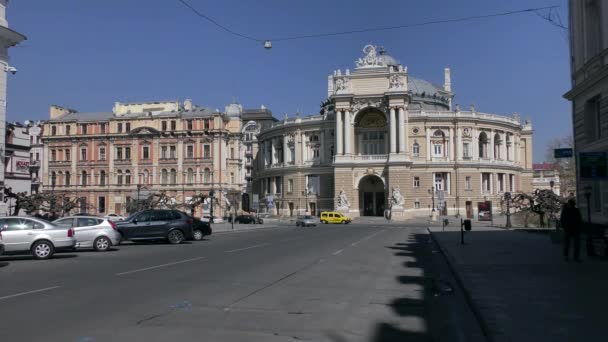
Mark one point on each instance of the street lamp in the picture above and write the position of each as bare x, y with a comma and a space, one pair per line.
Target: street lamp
433, 213
508, 199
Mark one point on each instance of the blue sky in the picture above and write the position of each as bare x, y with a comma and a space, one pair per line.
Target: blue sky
89, 54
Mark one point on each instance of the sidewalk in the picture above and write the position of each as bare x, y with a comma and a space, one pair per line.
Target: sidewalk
227, 227
522, 289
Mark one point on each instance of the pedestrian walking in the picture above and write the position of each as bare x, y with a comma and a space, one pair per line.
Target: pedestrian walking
571, 221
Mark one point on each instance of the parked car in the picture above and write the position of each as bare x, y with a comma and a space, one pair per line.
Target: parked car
305, 221
247, 219
170, 225
216, 219
83, 214
200, 229
334, 217
92, 232
39, 237
114, 217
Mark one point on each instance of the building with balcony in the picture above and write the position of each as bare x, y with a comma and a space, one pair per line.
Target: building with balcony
387, 143
110, 158
589, 97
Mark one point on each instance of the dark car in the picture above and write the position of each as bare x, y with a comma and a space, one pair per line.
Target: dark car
200, 229
169, 225
245, 219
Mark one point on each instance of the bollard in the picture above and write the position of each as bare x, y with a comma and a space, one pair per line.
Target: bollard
464, 225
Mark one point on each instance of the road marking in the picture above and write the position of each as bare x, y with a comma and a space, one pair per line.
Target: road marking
28, 292
159, 266
366, 238
338, 252
242, 249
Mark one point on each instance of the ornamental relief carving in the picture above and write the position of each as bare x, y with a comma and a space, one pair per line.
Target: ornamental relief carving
378, 103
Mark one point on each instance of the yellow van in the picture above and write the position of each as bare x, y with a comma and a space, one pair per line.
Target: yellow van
334, 217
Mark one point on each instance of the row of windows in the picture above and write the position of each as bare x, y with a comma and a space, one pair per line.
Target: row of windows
125, 177
84, 128
124, 153
440, 150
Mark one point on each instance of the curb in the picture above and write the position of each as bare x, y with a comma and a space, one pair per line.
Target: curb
230, 231
467, 295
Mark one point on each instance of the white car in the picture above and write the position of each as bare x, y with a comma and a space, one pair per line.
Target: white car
39, 237
114, 217
92, 232
215, 219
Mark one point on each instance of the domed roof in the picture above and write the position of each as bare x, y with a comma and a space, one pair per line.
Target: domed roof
385, 59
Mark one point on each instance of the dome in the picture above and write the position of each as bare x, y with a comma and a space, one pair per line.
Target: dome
384, 59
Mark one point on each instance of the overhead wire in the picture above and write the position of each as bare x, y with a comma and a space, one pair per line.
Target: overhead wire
536, 10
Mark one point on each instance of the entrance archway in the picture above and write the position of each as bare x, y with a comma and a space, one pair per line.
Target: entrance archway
371, 196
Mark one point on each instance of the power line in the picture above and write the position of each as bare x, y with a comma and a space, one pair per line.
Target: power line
385, 28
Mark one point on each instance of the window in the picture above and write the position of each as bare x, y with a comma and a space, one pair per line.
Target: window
483, 145
290, 186
206, 176
146, 175
127, 177
53, 155
68, 128
84, 128
592, 120
190, 151
465, 150
102, 128
67, 178
173, 125
206, 123
437, 150
119, 153
101, 204
164, 125
467, 183
511, 183
173, 176
416, 182
497, 146
172, 152
128, 127
119, 177
508, 143
146, 152
486, 182
31, 140
127, 153
417, 205
207, 151
164, 177
373, 143
163, 152
189, 124
232, 178
119, 127
232, 152
312, 184
102, 177
190, 176
53, 130
102, 153
439, 182
501, 182
83, 178
67, 154
83, 204
83, 153
592, 28
53, 179
416, 150
37, 156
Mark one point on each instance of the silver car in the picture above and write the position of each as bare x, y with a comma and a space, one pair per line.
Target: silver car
39, 237
92, 232
306, 220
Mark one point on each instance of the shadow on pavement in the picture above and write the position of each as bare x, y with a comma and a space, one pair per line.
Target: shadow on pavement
4, 264
29, 257
152, 242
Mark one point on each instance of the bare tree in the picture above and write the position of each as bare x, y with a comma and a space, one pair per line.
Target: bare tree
566, 167
541, 202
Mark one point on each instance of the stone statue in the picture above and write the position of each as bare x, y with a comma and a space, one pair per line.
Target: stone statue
225, 195
342, 85
395, 82
370, 57
343, 200
397, 198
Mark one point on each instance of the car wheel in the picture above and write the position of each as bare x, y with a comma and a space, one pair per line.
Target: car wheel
43, 250
102, 244
324, 222
198, 235
175, 237
344, 222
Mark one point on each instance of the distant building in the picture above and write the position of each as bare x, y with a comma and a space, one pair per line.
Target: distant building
36, 154
546, 177
589, 96
16, 163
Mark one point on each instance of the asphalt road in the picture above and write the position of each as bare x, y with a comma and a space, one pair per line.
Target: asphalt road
358, 282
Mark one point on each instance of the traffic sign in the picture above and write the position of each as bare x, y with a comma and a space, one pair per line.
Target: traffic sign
563, 153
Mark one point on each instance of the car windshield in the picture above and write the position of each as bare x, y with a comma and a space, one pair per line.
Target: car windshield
307, 217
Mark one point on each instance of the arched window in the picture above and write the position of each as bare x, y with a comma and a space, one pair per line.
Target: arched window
119, 177
83, 178
67, 178
53, 178
439, 142
206, 176
497, 145
164, 177
128, 177
483, 145
102, 177
190, 176
146, 179
314, 138
416, 150
173, 176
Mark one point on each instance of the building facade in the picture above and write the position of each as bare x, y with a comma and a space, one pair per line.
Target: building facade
17, 178
546, 177
8, 38
389, 144
108, 159
589, 97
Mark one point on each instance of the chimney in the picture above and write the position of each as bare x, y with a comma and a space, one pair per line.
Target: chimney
447, 83
188, 104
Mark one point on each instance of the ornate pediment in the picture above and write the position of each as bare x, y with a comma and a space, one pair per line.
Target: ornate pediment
379, 103
144, 131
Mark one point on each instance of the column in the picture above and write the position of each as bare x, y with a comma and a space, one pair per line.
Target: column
504, 146
360, 147
491, 147
273, 154
347, 133
180, 161
450, 153
393, 132
303, 147
322, 147
406, 132
339, 130
448, 183
459, 146
285, 150
428, 143
402, 132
